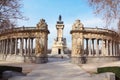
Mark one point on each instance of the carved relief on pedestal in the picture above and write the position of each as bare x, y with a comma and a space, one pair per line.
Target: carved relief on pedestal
41, 39
77, 37
39, 50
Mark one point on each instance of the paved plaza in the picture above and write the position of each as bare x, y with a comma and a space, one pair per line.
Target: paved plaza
56, 69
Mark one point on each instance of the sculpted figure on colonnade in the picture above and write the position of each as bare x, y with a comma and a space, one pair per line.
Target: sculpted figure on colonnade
42, 24
77, 25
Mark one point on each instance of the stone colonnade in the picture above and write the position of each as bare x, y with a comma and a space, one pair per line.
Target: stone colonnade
101, 47
25, 43
93, 43
10, 46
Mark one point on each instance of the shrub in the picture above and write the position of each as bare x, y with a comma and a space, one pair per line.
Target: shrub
9, 68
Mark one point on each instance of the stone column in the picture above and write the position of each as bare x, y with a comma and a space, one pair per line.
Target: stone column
31, 48
25, 46
118, 49
103, 47
113, 48
93, 53
8, 47
21, 46
6, 52
97, 47
87, 46
4, 47
106, 47
109, 47
11, 46
16, 46
110, 44
0, 46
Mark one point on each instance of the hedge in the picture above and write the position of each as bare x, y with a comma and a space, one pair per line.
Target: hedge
114, 69
9, 68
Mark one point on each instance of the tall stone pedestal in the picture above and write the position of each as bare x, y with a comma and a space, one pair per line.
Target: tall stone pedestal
59, 44
41, 42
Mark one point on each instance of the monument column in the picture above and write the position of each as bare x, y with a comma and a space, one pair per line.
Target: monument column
59, 44
60, 27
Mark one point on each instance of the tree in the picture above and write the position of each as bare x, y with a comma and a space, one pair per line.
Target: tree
9, 12
108, 9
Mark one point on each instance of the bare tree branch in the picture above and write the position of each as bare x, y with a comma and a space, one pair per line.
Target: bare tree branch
108, 9
9, 12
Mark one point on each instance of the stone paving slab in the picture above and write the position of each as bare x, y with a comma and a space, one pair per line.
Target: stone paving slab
59, 70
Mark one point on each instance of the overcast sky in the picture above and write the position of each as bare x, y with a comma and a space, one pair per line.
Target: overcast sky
70, 10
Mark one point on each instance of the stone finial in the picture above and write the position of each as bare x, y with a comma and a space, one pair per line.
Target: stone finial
42, 24
77, 25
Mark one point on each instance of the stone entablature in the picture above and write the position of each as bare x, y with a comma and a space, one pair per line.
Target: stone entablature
19, 32
94, 42
97, 33
25, 36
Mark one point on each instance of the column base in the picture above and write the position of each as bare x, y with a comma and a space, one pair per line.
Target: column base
94, 59
40, 60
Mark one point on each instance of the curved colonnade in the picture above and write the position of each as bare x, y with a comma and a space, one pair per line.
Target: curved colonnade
94, 44
21, 44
